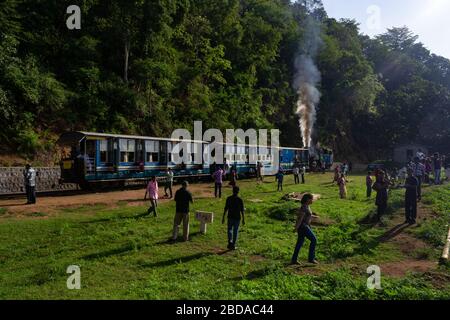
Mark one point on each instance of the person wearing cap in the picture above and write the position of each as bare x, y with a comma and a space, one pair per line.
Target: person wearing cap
235, 208
30, 184
183, 198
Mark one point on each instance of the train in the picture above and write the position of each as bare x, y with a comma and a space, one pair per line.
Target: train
93, 159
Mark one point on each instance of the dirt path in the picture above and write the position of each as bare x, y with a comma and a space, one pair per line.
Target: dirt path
411, 247
50, 205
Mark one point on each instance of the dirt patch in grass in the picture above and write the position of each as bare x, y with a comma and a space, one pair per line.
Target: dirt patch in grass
297, 196
402, 268
53, 205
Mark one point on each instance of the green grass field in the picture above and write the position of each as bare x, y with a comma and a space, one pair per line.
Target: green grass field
125, 255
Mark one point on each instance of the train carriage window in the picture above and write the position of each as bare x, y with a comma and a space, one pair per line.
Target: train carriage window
127, 150
104, 154
170, 150
152, 150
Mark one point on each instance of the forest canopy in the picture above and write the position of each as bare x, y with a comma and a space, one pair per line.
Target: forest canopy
148, 67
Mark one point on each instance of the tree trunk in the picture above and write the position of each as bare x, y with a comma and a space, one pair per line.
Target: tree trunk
126, 60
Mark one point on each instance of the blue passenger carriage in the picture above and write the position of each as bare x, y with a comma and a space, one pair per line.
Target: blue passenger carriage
108, 159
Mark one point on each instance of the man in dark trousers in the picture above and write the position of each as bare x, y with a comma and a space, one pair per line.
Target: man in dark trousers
30, 184
235, 209
411, 185
183, 198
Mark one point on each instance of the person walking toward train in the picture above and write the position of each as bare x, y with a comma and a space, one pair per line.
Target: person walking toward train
280, 178
303, 174
296, 172
411, 185
303, 230
218, 182
169, 183
235, 209
183, 199
152, 192
30, 184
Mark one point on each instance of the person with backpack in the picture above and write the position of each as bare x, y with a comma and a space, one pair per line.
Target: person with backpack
303, 230
234, 207
183, 199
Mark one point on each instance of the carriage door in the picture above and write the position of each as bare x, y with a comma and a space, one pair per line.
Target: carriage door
91, 156
163, 153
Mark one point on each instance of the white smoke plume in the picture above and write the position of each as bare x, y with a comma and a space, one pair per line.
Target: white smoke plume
306, 79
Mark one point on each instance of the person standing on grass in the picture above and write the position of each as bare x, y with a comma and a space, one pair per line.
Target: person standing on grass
259, 169
411, 185
303, 229
235, 209
218, 179
428, 170
233, 177
152, 192
342, 183
369, 183
30, 183
418, 171
280, 178
296, 172
336, 174
437, 163
381, 186
303, 174
183, 198
169, 183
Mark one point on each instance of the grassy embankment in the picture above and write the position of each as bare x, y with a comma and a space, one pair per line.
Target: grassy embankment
125, 255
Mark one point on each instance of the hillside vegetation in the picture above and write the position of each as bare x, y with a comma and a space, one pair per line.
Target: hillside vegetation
150, 66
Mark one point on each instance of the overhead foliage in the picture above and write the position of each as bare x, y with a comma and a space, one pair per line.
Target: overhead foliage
150, 66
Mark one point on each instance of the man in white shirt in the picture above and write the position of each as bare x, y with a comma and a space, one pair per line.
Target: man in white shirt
30, 184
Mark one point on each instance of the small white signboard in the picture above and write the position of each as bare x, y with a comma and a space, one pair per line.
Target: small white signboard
204, 218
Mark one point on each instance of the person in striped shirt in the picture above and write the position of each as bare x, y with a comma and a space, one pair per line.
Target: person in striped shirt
418, 170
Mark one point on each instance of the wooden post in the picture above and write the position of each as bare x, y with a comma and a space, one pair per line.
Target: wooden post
204, 218
445, 252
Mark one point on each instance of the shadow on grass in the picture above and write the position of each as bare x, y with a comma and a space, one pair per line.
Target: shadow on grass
105, 220
109, 253
174, 261
170, 241
253, 275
